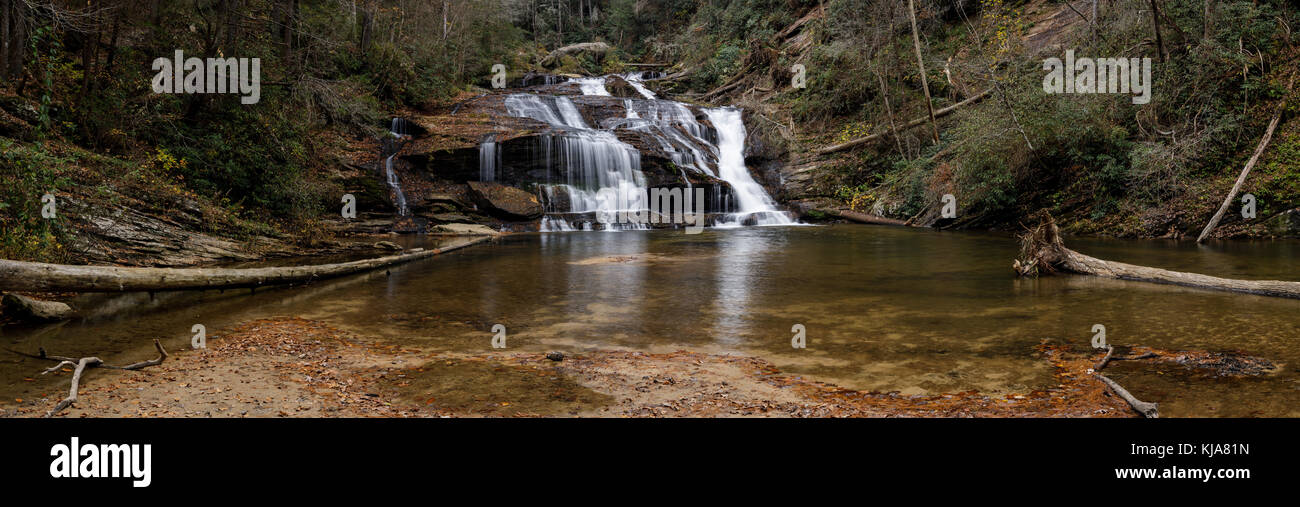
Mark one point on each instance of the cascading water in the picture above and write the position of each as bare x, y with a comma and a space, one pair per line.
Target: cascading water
398, 131
593, 86
591, 159
489, 159
752, 201
634, 79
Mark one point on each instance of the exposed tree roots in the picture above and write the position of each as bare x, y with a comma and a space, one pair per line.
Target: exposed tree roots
1042, 251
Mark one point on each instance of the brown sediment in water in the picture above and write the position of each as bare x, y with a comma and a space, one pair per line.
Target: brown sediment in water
293, 367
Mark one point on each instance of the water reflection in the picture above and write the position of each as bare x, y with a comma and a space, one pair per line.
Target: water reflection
888, 309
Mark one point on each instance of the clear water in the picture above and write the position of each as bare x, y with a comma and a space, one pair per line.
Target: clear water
885, 308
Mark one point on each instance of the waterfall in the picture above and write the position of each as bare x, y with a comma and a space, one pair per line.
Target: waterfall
581, 160
489, 159
752, 201
398, 130
592, 86
553, 110
634, 79
588, 159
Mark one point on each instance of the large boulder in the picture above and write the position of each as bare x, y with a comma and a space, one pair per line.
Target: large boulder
506, 203
24, 308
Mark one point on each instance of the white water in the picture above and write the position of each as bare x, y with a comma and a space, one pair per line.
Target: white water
394, 183
752, 201
592, 159
593, 86
589, 159
554, 110
489, 159
634, 79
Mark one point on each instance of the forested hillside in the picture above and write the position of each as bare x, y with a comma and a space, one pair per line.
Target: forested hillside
78, 117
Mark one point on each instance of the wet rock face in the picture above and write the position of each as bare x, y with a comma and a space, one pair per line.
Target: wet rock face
506, 203
27, 309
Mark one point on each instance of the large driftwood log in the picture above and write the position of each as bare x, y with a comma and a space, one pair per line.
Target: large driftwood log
595, 48
40, 277
1043, 250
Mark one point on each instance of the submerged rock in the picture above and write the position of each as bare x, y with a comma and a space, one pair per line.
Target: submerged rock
462, 230
28, 309
504, 202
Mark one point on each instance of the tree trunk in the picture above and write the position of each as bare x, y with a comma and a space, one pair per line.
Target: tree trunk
920, 62
367, 30
911, 124
1044, 250
11, 65
112, 43
18, 41
1160, 41
1250, 164
232, 27
6, 6
286, 33
889, 110
1209, 19
39, 277
90, 39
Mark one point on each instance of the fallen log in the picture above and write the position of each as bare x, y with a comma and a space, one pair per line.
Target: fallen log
862, 217
938, 113
41, 277
1043, 249
1241, 178
595, 48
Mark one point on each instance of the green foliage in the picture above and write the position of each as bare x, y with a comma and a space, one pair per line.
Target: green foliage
28, 172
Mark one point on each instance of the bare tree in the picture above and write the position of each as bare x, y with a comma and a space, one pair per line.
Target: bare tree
920, 63
1160, 41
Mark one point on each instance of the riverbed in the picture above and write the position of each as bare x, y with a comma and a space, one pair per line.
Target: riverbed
881, 308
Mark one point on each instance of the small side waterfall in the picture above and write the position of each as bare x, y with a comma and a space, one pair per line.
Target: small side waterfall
392, 146
489, 159
634, 79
